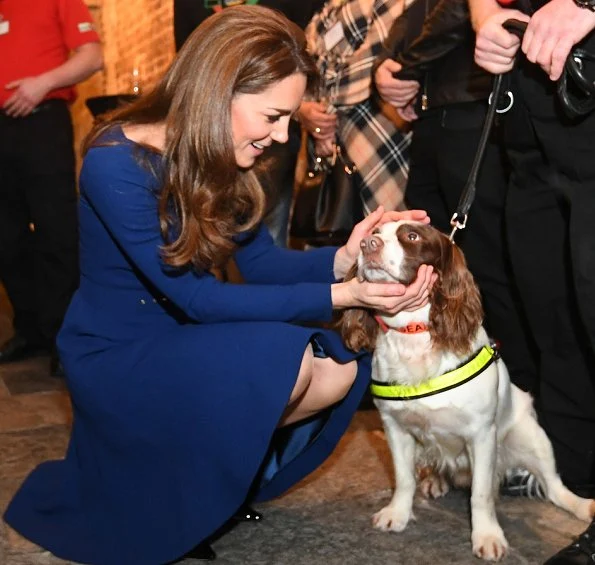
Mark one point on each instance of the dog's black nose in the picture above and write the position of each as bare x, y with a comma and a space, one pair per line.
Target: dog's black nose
371, 244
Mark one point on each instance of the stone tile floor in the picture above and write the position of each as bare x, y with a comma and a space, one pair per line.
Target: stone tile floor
323, 520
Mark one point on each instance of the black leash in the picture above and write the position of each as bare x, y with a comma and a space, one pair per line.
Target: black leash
576, 93
459, 218
575, 90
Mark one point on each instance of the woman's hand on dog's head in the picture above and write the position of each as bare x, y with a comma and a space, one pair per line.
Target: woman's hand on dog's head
395, 216
347, 255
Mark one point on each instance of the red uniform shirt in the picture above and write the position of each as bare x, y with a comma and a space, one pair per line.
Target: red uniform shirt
37, 36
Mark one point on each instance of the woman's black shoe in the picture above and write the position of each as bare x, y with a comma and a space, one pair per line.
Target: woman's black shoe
203, 551
246, 513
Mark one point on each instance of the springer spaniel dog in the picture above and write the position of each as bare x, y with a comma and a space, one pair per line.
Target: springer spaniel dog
450, 413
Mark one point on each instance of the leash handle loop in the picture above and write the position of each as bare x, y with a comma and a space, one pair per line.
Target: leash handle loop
516, 27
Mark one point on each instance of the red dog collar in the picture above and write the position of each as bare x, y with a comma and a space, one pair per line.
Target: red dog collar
412, 328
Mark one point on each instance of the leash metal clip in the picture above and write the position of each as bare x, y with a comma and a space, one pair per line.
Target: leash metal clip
457, 224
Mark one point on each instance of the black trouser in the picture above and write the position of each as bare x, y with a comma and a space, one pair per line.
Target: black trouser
443, 147
39, 267
276, 172
551, 223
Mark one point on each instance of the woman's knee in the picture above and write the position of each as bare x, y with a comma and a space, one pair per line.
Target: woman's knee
346, 379
334, 380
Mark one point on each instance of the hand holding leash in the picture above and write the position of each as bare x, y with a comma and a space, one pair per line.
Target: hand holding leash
577, 95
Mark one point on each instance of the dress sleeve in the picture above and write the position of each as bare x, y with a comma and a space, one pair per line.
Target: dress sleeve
119, 192
261, 261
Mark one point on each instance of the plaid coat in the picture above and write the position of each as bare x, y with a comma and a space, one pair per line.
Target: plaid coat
372, 141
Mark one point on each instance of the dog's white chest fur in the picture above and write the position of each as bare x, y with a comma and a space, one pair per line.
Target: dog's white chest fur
440, 423
468, 435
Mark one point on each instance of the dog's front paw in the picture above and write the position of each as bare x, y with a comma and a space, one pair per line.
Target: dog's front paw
391, 519
491, 546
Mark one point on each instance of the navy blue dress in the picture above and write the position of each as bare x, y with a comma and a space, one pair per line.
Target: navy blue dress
178, 382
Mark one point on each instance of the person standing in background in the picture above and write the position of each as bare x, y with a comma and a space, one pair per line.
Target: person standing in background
345, 38
429, 75
276, 170
550, 210
47, 47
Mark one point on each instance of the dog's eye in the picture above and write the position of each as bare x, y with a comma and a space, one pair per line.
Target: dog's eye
412, 236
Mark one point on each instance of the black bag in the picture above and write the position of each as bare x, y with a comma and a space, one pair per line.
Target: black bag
576, 89
576, 85
327, 204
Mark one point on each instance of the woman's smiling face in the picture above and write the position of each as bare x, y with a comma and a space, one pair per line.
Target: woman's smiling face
259, 119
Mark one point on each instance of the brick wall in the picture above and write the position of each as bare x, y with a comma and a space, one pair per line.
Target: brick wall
93, 86
135, 34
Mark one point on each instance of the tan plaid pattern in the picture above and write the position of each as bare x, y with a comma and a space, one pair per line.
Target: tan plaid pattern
347, 68
372, 141
381, 153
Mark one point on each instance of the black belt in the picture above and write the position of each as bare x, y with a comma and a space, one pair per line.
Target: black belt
45, 105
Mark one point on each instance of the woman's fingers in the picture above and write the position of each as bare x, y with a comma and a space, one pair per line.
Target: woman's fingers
369, 222
323, 128
324, 147
428, 277
361, 230
414, 215
417, 293
408, 113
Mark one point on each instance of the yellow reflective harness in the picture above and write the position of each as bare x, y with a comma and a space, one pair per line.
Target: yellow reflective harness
475, 366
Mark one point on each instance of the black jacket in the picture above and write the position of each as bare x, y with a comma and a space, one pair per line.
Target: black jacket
188, 14
440, 53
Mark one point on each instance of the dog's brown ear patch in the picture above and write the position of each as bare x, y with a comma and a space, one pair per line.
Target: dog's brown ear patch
359, 329
357, 326
456, 312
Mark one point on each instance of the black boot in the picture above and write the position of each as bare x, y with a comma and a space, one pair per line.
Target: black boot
202, 552
56, 368
580, 552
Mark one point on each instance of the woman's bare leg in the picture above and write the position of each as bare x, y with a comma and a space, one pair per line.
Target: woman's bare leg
320, 383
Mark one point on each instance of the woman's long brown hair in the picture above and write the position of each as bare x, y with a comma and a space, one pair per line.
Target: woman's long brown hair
205, 198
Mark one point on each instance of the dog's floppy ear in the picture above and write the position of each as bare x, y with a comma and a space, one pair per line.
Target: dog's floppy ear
358, 327
456, 313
